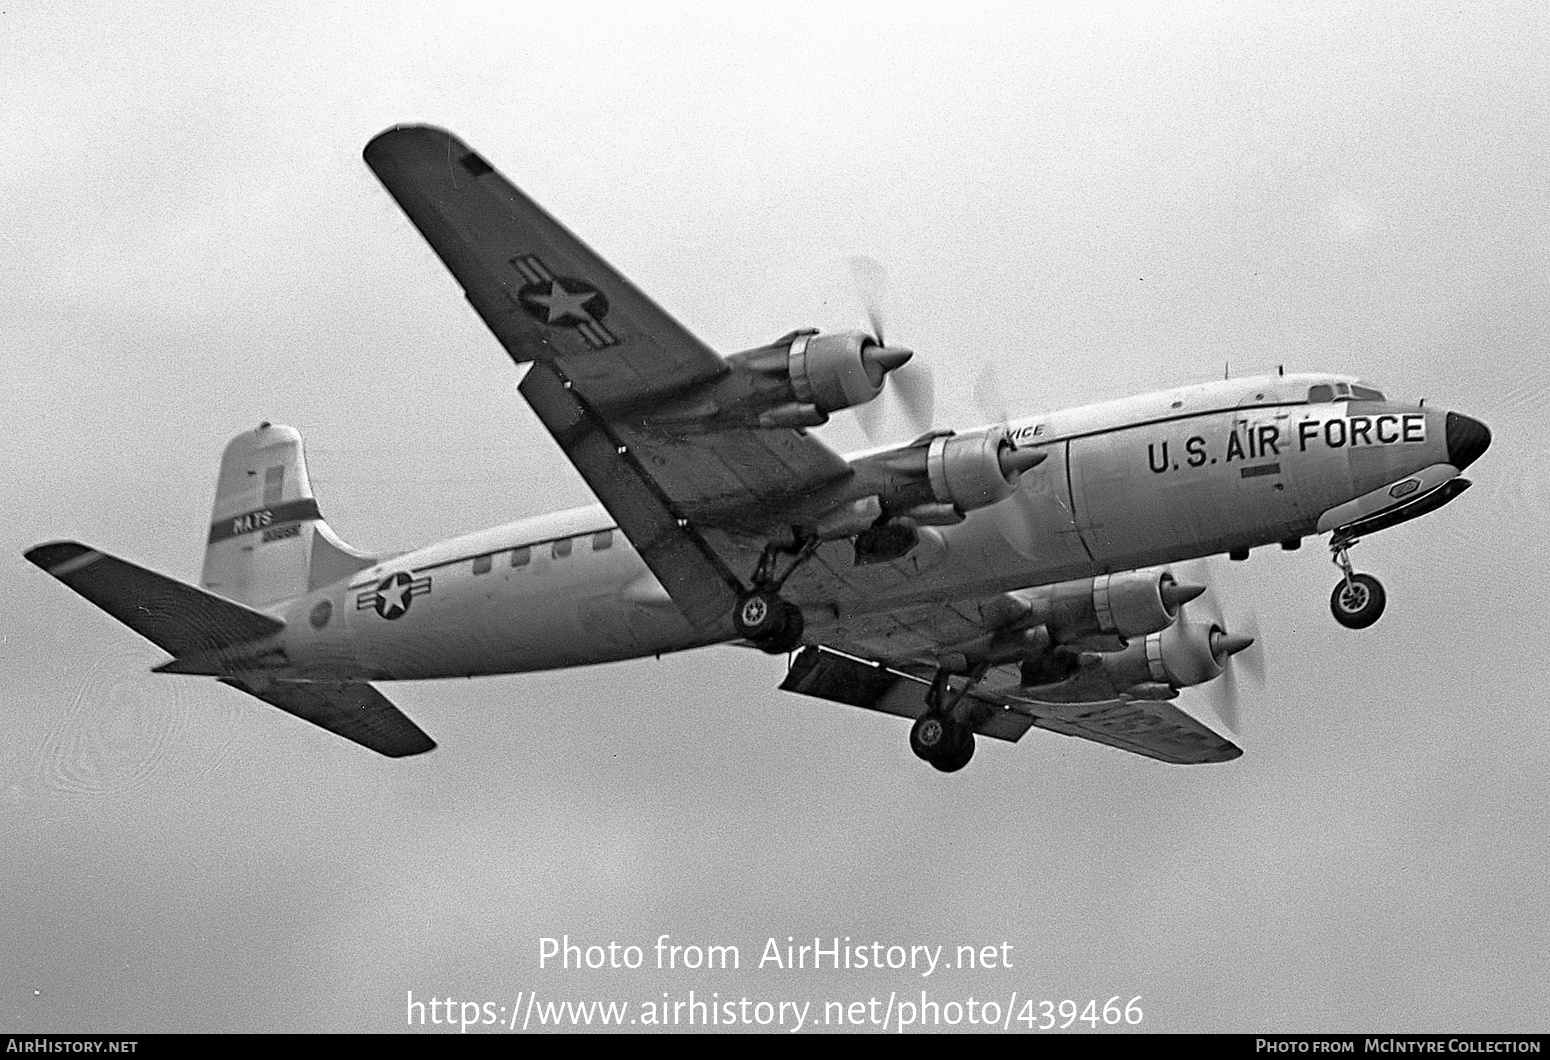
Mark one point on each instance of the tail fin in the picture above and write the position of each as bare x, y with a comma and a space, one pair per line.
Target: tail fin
267, 541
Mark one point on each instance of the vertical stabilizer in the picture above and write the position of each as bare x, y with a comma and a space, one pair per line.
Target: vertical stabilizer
267, 541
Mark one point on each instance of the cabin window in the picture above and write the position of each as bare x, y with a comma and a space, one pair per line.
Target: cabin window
1321, 393
562, 548
1366, 393
521, 557
481, 564
602, 539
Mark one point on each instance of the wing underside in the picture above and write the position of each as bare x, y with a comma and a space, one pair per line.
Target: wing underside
1151, 728
610, 365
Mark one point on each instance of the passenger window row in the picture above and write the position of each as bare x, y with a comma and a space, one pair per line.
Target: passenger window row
559, 549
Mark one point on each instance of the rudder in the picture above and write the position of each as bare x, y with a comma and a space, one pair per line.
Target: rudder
267, 540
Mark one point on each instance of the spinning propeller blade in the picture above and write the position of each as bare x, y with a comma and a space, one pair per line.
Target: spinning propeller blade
912, 388
1237, 647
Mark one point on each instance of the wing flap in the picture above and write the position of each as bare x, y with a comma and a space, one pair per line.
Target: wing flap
695, 577
827, 674
178, 618
358, 712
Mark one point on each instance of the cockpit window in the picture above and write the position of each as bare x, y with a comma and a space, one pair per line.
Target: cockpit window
1366, 393
1321, 393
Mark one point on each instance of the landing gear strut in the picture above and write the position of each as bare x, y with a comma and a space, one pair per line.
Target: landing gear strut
936, 736
1358, 599
762, 615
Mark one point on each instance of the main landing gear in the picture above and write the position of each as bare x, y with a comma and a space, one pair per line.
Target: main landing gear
762, 615
936, 736
1358, 599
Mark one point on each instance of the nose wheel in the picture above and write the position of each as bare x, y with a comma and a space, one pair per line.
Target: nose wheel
1358, 599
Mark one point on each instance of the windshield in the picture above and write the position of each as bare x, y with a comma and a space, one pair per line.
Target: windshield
1343, 392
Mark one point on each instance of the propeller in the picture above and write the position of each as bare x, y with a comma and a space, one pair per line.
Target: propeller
1237, 647
871, 281
914, 391
989, 395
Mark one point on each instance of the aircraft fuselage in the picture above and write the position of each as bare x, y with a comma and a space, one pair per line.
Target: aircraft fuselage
1154, 479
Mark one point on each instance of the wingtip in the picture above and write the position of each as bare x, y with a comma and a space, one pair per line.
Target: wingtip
51, 554
397, 139
410, 751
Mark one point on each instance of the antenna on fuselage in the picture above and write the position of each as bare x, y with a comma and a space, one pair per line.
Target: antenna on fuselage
1226, 369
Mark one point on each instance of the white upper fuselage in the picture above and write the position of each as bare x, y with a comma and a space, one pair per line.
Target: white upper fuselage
1140, 481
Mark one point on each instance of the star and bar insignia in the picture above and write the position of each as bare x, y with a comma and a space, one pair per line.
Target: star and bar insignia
561, 301
393, 595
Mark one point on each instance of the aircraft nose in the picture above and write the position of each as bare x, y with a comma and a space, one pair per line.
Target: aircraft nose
1467, 439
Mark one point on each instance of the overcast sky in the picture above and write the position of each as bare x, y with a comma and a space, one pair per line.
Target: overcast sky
1091, 200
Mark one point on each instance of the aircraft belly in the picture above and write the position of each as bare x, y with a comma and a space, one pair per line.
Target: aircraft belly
429, 639
1028, 539
319, 639
548, 614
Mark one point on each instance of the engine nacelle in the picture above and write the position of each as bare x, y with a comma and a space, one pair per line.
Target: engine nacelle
976, 469
1129, 604
796, 381
833, 372
1184, 654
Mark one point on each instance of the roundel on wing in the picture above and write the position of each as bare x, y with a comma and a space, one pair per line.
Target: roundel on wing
563, 301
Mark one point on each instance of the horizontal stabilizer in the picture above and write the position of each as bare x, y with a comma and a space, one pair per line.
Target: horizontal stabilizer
176, 617
357, 712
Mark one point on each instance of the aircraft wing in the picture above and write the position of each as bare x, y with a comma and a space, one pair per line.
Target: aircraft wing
546, 295
1153, 728
606, 362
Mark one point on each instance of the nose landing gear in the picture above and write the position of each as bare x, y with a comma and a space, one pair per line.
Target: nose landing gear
1358, 599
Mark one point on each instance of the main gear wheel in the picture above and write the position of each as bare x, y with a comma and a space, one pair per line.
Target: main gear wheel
937, 739
769, 621
931, 735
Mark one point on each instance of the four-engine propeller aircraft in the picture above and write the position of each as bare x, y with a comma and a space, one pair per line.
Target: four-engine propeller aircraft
977, 581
